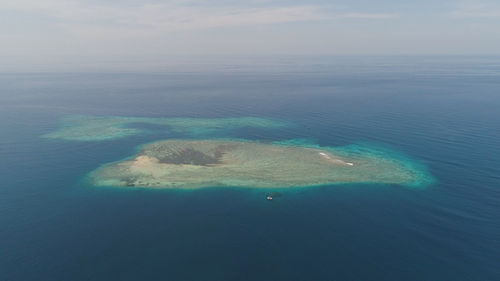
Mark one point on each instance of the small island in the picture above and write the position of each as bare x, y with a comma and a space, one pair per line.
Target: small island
242, 163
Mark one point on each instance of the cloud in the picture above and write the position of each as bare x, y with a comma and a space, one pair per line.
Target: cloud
178, 14
477, 10
171, 15
367, 16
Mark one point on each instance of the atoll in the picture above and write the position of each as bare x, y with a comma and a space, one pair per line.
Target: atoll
240, 163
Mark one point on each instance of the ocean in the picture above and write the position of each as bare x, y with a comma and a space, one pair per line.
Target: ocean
443, 112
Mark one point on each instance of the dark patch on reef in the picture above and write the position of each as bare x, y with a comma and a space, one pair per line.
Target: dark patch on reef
134, 181
188, 155
130, 181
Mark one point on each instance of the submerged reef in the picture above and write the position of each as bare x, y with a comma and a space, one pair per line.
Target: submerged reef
241, 163
99, 128
183, 163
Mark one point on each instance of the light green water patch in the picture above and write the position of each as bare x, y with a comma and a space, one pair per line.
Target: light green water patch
100, 128
192, 164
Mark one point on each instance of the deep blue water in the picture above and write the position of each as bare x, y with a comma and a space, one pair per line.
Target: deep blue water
445, 112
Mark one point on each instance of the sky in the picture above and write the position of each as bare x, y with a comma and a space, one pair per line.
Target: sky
37, 29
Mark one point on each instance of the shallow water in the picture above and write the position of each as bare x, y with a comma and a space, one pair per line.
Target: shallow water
441, 111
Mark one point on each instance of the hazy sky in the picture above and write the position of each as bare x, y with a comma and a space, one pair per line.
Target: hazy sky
109, 28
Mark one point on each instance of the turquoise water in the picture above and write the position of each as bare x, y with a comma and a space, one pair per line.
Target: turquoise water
439, 114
